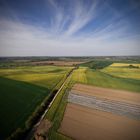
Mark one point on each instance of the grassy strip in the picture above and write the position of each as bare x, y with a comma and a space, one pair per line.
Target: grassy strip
57, 118
56, 112
79, 75
51, 113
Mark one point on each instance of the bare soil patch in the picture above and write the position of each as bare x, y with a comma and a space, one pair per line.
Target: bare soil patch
83, 123
117, 95
42, 130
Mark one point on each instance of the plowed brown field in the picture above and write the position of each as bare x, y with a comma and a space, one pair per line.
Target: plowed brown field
117, 95
95, 113
82, 123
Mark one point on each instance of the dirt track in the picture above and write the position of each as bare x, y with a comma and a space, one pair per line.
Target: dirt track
117, 95
82, 123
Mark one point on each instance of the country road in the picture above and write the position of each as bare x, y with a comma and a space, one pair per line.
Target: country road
32, 131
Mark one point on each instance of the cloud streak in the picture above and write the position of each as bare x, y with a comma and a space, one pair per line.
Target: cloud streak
82, 15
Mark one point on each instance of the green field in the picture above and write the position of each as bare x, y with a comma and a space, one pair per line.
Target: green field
124, 70
99, 78
45, 76
79, 75
22, 90
105, 79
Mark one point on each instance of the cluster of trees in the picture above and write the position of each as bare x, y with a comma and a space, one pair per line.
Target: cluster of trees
101, 64
132, 66
97, 64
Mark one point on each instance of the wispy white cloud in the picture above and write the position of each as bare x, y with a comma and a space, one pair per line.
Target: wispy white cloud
75, 18
82, 15
58, 16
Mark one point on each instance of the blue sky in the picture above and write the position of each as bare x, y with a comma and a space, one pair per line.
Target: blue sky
69, 27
